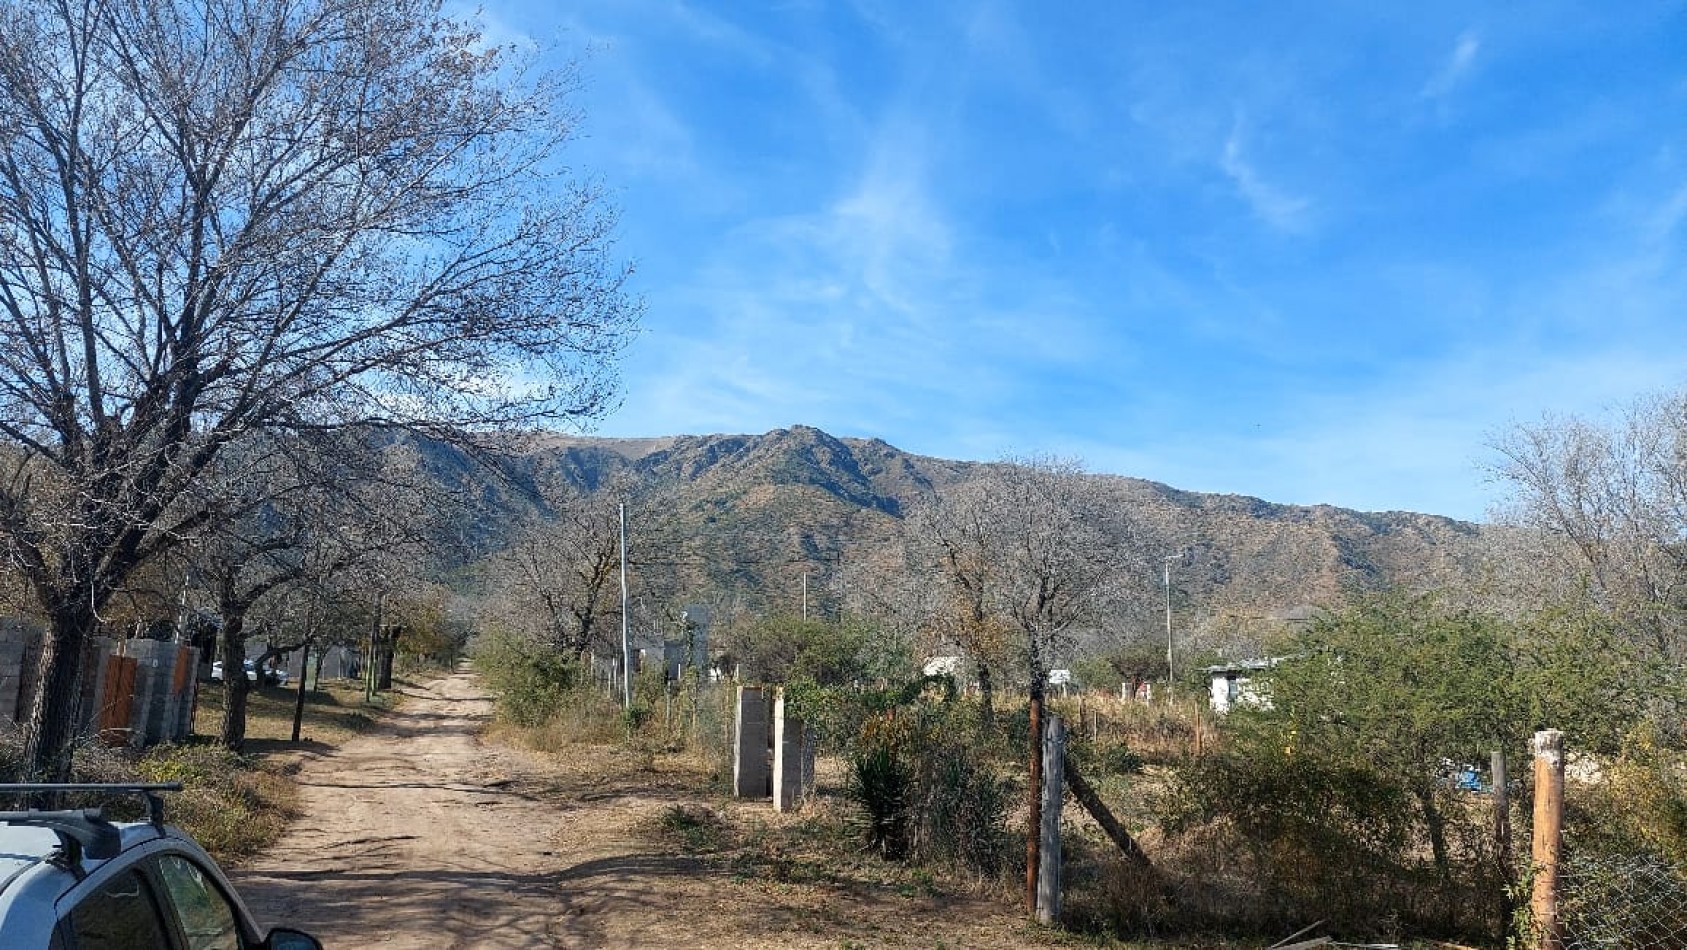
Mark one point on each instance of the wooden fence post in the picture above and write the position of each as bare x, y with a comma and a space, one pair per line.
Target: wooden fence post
1034, 821
1502, 835
1548, 841
1048, 873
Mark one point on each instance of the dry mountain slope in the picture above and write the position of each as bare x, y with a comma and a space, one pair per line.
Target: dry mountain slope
754, 512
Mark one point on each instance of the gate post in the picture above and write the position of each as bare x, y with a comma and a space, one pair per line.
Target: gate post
1548, 842
793, 756
1053, 792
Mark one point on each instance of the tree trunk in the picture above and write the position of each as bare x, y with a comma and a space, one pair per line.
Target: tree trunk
1437, 834
236, 688
299, 701
51, 735
986, 697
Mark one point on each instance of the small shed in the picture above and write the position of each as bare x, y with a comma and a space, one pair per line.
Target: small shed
1232, 684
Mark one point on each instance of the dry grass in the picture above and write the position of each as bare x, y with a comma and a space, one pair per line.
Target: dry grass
1160, 732
333, 714
590, 718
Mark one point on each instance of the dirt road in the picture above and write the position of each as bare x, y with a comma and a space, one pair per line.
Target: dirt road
420, 834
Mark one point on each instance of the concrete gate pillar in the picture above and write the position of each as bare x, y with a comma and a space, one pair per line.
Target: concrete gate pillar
793, 757
749, 746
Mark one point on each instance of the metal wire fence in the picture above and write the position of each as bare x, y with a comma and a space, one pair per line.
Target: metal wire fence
1608, 902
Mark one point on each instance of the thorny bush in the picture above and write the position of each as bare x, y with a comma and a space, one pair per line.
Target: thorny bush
921, 775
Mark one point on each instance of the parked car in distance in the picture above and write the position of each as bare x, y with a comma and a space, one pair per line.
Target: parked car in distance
272, 676
73, 879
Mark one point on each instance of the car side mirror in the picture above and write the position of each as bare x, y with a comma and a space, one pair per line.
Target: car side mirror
285, 938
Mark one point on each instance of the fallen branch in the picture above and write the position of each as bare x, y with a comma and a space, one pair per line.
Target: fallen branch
1284, 943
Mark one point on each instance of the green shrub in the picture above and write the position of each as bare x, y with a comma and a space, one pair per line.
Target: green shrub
881, 784
962, 810
1263, 841
1638, 807
531, 683
922, 778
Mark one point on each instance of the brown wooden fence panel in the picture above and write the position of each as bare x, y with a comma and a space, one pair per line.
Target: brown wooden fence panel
117, 700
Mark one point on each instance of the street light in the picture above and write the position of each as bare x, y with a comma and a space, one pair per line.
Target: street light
1171, 673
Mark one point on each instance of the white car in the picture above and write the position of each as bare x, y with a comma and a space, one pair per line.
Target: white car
71, 879
273, 676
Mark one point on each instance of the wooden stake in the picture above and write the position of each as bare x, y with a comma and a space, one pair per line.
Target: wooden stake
1034, 825
1048, 875
1548, 841
1502, 832
1086, 796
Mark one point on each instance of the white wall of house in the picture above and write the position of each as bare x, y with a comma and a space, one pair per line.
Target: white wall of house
1234, 686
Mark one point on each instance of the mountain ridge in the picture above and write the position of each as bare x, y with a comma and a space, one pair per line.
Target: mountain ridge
752, 514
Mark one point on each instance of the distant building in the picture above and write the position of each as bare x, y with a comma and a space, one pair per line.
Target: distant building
944, 666
1232, 684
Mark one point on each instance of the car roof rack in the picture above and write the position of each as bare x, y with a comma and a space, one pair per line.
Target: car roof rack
85, 831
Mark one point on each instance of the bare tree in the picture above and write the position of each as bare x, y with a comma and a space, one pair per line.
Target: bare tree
1602, 509
559, 581
1025, 555
958, 531
1024, 552
224, 217
294, 513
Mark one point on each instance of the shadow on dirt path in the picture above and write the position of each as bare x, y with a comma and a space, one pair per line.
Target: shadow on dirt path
420, 834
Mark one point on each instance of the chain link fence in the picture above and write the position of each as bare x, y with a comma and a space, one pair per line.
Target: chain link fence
1608, 902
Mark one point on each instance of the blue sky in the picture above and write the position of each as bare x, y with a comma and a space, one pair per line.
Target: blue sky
1308, 252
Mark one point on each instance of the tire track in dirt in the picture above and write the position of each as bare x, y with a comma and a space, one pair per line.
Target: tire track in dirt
415, 834
420, 834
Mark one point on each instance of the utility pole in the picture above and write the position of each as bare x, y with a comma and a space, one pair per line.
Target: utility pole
805, 595
1171, 671
626, 643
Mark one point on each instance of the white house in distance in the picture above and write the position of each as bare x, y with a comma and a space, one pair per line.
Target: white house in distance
944, 666
1232, 684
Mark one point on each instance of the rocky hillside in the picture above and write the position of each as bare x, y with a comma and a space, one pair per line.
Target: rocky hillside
746, 517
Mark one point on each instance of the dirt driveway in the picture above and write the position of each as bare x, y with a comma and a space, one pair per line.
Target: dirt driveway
421, 834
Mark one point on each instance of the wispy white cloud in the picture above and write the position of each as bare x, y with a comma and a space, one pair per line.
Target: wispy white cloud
649, 137
878, 222
1456, 67
888, 229
1275, 206
1670, 216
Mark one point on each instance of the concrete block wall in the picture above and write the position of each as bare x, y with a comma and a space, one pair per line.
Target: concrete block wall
20, 648
160, 705
793, 757
163, 686
337, 663
151, 690
749, 746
